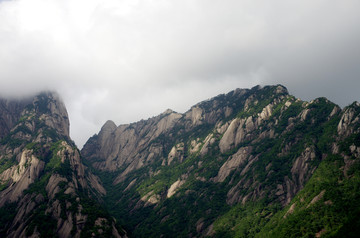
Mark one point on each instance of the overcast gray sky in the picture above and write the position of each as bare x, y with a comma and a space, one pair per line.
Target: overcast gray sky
128, 60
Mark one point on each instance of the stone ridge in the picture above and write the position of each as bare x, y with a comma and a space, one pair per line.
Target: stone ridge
249, 146
113, 148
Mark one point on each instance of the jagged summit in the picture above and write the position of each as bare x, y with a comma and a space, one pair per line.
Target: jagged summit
167, 111
54, 111
109, 126
46, 191
121, 144
47, 105
229, 166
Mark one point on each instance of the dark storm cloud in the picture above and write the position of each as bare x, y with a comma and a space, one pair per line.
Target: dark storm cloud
132, 59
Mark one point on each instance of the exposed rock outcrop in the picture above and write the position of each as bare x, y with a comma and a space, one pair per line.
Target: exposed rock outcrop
175, 186
349, 119
234, 162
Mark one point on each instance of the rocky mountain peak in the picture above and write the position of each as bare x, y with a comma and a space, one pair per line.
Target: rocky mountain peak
167, 112
281, 89
24, 117
42, 177
109, 126
52, 110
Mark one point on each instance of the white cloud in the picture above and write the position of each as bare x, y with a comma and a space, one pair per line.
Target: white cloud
131, 59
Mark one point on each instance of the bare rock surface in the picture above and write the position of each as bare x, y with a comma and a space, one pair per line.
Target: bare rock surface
235, 161
175, 186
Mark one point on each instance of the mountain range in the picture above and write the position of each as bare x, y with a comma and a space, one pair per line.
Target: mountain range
253, 162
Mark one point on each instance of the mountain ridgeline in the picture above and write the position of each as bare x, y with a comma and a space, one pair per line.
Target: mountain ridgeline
45, 190
251, 163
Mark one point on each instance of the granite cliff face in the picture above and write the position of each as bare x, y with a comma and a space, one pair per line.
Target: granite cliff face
45, 188
251, 146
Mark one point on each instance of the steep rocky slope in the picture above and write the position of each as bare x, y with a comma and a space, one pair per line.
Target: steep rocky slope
45, 190
227, 167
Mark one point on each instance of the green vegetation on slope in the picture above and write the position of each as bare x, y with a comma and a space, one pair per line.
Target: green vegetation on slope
328, 205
